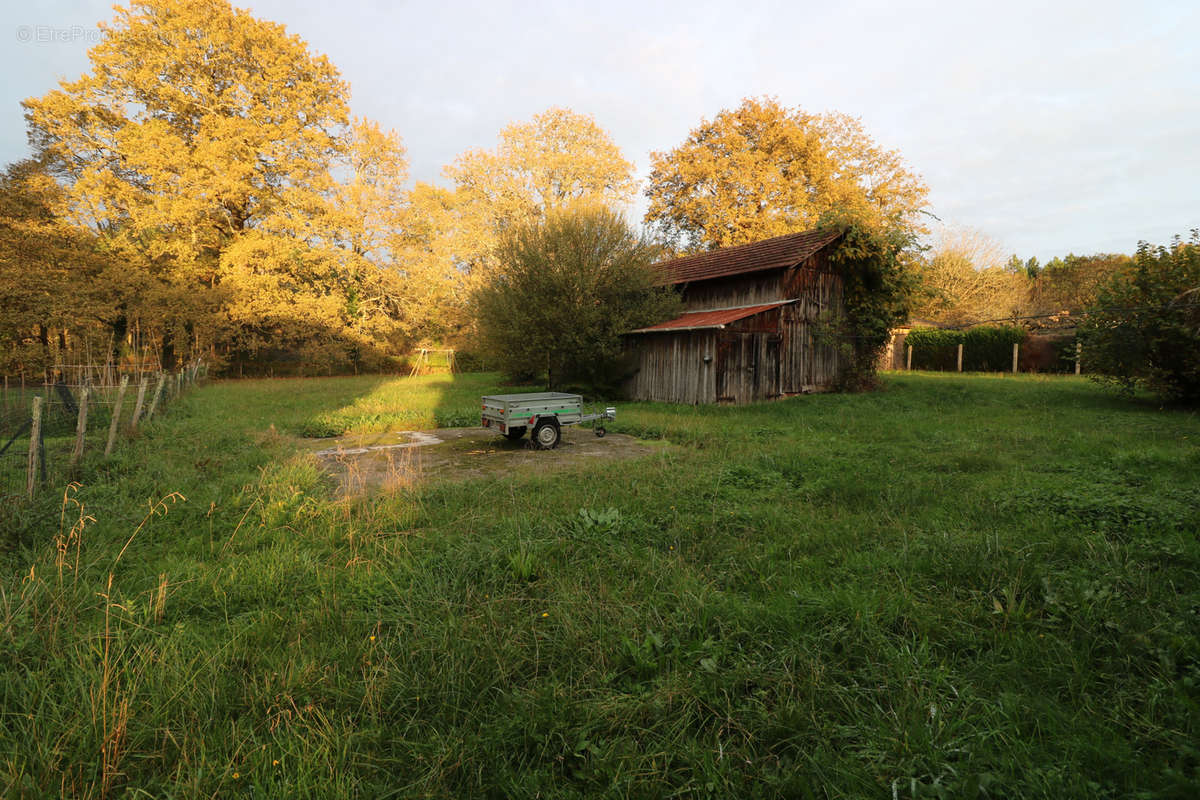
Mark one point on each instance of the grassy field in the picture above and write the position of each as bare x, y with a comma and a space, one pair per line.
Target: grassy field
961, 586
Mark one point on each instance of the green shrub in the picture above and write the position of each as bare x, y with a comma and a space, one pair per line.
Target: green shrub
469, 361
934, 348
1144, 329
567, 288
987, 348
877, 286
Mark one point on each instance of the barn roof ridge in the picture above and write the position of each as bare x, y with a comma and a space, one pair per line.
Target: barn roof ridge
774, 253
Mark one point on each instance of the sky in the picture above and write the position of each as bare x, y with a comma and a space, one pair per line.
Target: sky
1051, 127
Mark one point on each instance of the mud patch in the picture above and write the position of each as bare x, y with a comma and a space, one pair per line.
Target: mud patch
368, 462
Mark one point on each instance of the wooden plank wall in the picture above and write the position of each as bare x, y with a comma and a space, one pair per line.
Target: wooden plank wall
747, 366
739, 290
671, 367
759, 358
809, 365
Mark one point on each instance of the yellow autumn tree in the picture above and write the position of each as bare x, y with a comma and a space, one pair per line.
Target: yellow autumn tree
964, 280
764, 170
430, 276
57, 286
197, 125
557, 158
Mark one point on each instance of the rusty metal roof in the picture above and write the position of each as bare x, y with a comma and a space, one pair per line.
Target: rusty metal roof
781, 251
698, 320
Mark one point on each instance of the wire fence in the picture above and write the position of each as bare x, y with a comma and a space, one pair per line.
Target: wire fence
1047, 355
49, 430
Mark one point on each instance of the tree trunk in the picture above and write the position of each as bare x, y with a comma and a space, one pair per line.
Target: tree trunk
168, 352
120, 330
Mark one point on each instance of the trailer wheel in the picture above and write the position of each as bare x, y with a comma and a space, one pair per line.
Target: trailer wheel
600, 432
546, 434
514, 433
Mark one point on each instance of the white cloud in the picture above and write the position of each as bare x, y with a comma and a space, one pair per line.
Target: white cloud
1050, 126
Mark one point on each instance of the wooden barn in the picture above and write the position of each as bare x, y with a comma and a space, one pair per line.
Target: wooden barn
747, 331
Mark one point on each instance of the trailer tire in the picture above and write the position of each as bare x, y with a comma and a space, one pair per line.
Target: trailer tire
546, 434
600, 432
514, 433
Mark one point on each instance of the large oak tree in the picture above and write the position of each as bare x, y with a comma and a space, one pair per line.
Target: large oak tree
558, 158
764, 170
204, 144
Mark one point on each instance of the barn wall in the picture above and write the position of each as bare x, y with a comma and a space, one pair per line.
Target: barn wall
769, 355
748, 359
809, 365
739, 290
747, 367
670, 367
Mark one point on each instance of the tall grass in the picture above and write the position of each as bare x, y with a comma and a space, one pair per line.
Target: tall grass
959, 586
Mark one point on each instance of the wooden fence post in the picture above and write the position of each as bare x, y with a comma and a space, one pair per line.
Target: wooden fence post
162, 380
960, 356
137, 407
1016, 349
908, 363
116, 416
80, 426
1078, 353
35, 434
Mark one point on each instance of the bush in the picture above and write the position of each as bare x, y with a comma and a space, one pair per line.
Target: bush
987, 348
1144, 330
566, 290
934, 348
877, 286
1049, 352
469, 361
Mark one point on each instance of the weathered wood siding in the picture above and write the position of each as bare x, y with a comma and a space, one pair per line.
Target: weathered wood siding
772, 354
739, 290
809, 364
747, 367
748, 359
671, 367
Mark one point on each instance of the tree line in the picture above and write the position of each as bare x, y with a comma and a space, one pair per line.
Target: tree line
966, 279
205, 191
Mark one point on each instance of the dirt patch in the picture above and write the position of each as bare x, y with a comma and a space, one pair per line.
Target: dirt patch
386, 460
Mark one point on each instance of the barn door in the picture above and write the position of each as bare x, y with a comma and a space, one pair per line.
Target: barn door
768, 370
748, 386
727, 367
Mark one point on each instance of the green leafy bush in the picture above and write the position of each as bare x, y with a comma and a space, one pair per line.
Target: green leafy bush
877, 287
934, 348
566, 290
1144, 330
987, 348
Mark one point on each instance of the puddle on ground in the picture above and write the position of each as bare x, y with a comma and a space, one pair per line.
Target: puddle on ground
361, 462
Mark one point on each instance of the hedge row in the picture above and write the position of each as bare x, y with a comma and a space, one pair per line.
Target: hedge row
987, 348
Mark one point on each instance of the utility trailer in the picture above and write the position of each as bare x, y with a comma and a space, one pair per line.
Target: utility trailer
543, 412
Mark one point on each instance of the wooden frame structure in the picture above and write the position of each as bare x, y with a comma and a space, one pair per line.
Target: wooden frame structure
749, 330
